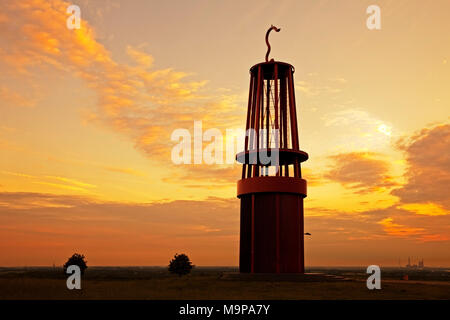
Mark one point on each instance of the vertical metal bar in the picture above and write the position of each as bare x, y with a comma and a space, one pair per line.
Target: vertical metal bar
247, 125
294, 128
261, 119
267, 112
283, 102
261, 114
277, 138
285, 112
282, 112
258, 99
266, 168
297, 163
261, 125
293, 115
291, 111
252, 121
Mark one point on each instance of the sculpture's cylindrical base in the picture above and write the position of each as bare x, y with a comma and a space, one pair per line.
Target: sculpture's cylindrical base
271, 235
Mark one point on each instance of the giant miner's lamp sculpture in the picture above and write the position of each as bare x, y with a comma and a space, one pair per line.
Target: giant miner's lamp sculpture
271, 235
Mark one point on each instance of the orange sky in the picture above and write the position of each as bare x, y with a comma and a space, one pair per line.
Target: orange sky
86, 118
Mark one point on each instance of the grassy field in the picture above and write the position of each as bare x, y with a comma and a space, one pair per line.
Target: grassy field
207, 283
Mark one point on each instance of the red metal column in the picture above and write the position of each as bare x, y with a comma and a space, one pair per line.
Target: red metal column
277, 205
301, 244
252, 268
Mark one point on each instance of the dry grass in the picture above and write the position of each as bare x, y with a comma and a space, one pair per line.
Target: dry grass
154, 283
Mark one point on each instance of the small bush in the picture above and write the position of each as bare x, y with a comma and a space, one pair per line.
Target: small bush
180, 264
76, 259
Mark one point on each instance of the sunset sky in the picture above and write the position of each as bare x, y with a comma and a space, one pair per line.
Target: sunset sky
86, 117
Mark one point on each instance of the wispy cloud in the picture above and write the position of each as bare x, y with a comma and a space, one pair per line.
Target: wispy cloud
52, 181
71, 181
139, 101
12, 98
363, 171
128, 171
395, 229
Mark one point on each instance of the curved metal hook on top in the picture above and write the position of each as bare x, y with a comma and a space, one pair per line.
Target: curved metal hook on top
272, 27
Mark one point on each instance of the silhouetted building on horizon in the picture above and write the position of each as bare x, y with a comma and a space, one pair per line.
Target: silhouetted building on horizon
419, 265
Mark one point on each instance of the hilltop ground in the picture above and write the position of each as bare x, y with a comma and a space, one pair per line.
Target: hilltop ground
208, 283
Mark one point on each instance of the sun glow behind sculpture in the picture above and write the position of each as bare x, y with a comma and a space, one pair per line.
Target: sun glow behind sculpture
384, 129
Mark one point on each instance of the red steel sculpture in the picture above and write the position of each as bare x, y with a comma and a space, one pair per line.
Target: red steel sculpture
272, 229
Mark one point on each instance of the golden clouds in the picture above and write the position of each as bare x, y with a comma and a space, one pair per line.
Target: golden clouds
54, 181
139, 101
30, 200
37, 36
427, 176
417, 229
421, 212
72, 181
395, 229
143, 59
428, 173
424, 194
213, 175
128, 171
12, 98
364, 172
434, 238
428, 209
